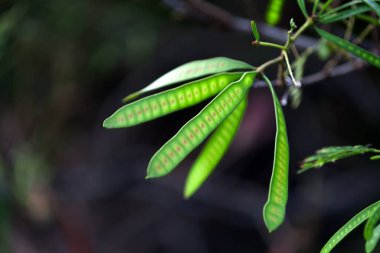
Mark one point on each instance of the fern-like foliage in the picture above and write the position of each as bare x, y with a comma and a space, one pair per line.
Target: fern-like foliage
332, 154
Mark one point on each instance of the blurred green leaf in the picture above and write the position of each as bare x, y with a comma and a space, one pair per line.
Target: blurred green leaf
332, 154
337, 16
274, 12
371, 224
352, 48
371, 244
374, 6
301, 4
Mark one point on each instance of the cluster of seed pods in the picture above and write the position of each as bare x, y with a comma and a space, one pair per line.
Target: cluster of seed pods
214, 150
170, 101
191, 71
349, 226
197, 129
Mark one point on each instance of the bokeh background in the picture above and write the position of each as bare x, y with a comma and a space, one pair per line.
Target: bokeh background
69, 186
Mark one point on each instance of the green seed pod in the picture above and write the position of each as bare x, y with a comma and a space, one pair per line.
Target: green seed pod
349, 226
275, 208
169, 101
274, 12
370, 244
197, 129
193, 70
214, 150
371, 224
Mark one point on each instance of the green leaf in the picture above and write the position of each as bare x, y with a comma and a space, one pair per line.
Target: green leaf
301, 4
350, 4
170, 101
325, 6
275, 208
315, 6
192, 70
374, 6
353, 49
274, 12
375, 157
332, 154
371, 244
214, 150
198, 128
371, 224
349, 226
334, 17
255, 31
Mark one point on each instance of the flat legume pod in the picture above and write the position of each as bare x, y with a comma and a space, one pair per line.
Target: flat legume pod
349, 226
275, 208
193, 70
197, 129
214, 150
170, 101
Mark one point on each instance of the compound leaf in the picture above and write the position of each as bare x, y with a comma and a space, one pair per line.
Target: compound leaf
198, 128
192, 70
332, 154
214, 150
353, 49
169, 101
275, 208
349, 226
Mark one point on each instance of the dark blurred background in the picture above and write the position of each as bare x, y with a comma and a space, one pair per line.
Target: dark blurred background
69, 186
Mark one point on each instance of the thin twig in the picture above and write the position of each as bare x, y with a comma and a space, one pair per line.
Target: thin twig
201, 10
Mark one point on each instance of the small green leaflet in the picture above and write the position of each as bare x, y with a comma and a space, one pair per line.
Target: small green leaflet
301, 4
337, 16
192, 70
274, 12
347, 5
374, 6
370, 245
332, 154
198, 128
275, 208
371, 224
214, 150
255, 31
325, 6
353, 49
349, 226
